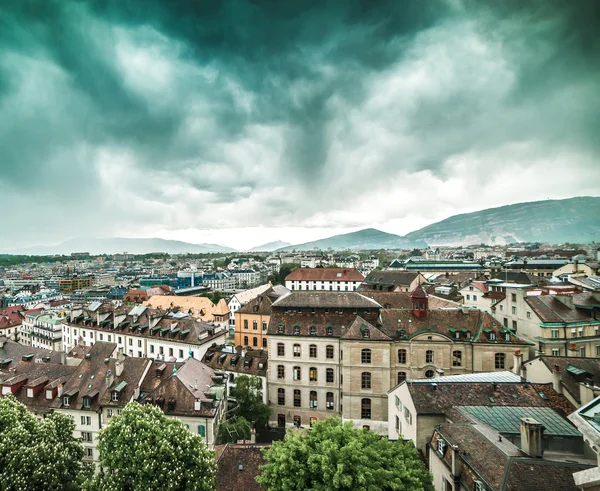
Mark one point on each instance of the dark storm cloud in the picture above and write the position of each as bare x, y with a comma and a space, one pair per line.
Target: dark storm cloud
135, 108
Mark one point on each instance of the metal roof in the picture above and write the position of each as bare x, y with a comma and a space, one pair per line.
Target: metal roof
507, 419
471, 377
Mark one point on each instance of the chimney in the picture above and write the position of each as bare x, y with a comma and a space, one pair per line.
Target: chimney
63, 358
120, 356
455, 466
557, 379
197, 405
532, 437
586, 393
517, 362
119, 368
110, 378
60, 390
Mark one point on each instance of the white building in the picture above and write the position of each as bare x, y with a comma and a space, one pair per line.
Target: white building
325, 279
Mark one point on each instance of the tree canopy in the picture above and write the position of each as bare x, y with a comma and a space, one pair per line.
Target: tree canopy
248, 394
142, 447
336, 456
38, 453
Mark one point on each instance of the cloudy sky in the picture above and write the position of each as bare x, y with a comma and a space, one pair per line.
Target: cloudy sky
241, 122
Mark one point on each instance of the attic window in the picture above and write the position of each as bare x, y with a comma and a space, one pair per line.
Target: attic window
280, 328
296, 330
87, 402
313, 330
330, 330
66, 401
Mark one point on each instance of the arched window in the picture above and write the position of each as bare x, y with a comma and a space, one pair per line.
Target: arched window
297, 398
329, 352
254, 325
329, 375
297, 373
312, 374
402, 356
500, 361
429, 356
365, 356
280, 349
329, 330
280, 328
365, 380
245, 340
296, 330
401, 377
280, 371
281, 397
312, 351
457, 358
313, 330
312, 402
329, 401
365, 409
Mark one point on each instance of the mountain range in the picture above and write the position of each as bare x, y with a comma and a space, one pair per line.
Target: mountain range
575, 220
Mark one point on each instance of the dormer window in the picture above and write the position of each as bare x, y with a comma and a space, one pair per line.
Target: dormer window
329, 330
280, 328
87, 402
441, 447
313, 330
114, 396
296, 330
66, 401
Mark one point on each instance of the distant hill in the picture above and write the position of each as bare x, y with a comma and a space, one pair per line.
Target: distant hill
270, 246
114, 245
553, 221
367, 239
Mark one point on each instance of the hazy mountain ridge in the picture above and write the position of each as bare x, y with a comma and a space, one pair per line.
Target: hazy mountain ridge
552, 221
270, 246
366, 239
115, 245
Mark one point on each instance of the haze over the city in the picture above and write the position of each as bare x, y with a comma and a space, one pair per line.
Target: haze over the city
240, 123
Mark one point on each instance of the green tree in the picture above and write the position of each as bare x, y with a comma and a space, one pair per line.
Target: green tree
248, 395
234, 429
142, 448
38, 454
336, 456
286, 269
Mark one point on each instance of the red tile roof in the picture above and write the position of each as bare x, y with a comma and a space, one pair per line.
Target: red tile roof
325, 274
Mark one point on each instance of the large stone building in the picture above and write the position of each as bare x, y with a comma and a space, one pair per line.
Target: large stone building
324, 279
338, 353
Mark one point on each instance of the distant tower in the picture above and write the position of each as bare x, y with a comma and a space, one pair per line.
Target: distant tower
420, 302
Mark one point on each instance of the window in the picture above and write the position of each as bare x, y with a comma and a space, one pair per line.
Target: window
264, 326
492, 336
554, 333
457, 358
255, 342
500, 361
297, 373
281, 397
329, 331
514, 310
429, 373
365, 409
86, 436
329, 401
89, 452
401, 377
365, 380
202, 430
529, 315
254, 325
280, 371
313, 330
280, 329
468, 297
130, 342
365, 356
297, 398
402, 356
297, 351
556, 352
582, 351
580, 332
407, 416
312, 401
151, 348
296, 330
598, 350
501, 307
474, 298
280, 349
513, 297
429, 356
312, 421
86, 420
109, 413
297, 421
312, 374
245, 340
329, 352
514, 325
246, 324
329, 375
312, 351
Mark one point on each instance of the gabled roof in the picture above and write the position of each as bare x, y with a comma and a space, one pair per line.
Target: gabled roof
247, 295
363, 330
390, 278
585, 368
221, 308
325, 274
551, 310
325, 299
238, 466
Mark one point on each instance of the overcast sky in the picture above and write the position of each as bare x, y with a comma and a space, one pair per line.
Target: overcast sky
242, 122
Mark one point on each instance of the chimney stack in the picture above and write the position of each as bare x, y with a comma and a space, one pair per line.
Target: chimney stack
557, 380
517, 362
532, 437
456, 466
119, 368
586, 393
110, 378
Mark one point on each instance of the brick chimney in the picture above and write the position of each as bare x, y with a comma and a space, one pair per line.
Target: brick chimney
532, 437
557, 379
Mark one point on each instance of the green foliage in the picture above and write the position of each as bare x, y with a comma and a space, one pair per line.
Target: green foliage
248, 395
234, 429
286, 269
336, 456
38, 454
143, 449
214, 296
